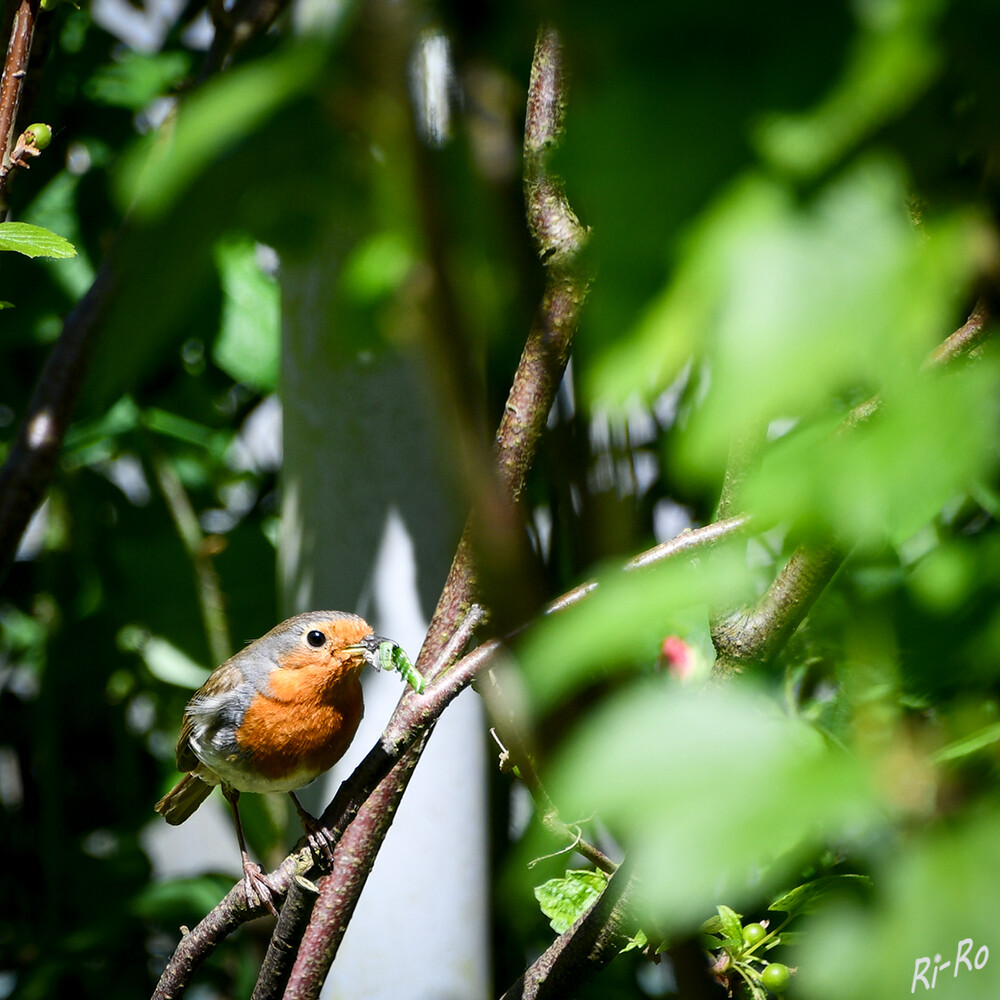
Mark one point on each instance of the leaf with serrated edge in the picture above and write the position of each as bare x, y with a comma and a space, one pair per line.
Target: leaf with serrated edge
34, 241
565, 900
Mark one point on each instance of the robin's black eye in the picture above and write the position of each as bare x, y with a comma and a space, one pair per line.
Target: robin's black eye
315, 638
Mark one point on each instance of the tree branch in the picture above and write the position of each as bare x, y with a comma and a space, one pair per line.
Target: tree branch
357, 842
31, 463
15, 69
532, 393
292, 920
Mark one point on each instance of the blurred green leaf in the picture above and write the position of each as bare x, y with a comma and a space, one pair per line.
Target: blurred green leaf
136, 78
34, 241
973, 743
938, 901
712, 792
248, 346
209, 123
163, 659
55, 209
806, 898
179, 427
197, 895
564, 900
793, 305
838, 476
377, 267
893, 61
944, 578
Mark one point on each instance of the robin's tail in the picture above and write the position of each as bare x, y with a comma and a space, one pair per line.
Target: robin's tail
182, 800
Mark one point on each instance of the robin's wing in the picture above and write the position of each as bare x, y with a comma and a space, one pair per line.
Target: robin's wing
217, 697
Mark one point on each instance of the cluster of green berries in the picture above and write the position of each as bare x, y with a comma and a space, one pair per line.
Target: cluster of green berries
775, 976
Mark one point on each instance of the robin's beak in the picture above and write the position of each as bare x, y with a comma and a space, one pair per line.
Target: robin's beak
368, 647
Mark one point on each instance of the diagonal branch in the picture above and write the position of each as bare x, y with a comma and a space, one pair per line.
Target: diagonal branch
31, 462
581, 952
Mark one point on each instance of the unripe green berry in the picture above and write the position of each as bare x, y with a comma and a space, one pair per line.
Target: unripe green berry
775, 977
754, 934
38, 135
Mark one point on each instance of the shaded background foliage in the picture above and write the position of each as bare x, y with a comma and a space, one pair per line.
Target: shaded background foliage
714, 150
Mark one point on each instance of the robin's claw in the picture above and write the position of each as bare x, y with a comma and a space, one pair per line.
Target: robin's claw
258, 887
321, 846
318, 837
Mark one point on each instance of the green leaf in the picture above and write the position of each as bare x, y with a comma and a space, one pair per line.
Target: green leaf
34, 241
970, 744
195, 895
56, 207
731, 925
625, 620
377, 267
637, 942
162, 658
135, 78
714, 792
937, 902
565, 900
248, 347
805, 898
209, 123
888, 69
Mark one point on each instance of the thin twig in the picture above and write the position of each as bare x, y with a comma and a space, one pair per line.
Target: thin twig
15, 69
234, 28
965, 339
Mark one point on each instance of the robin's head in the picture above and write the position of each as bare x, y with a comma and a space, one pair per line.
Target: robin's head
324, 639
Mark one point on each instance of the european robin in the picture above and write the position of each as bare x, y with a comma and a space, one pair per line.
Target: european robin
271, 719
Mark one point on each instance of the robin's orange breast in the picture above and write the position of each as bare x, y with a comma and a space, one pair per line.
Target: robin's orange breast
306, 724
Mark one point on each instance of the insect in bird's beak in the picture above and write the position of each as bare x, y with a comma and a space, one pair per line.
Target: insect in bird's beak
384, 654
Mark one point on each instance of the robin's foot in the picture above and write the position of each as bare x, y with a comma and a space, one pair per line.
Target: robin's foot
258, 886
